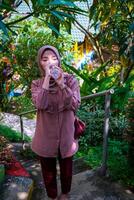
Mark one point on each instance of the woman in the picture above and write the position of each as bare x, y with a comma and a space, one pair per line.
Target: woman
56, 100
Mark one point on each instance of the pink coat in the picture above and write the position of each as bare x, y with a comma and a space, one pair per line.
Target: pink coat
55, 118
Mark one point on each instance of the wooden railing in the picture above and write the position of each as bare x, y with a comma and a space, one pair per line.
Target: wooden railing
107, 93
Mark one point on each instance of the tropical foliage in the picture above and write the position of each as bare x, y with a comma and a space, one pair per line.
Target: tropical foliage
52, 13
20, 53
130, 130
49, 22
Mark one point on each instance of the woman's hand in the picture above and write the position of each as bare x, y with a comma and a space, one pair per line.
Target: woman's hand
60, 80
47, 71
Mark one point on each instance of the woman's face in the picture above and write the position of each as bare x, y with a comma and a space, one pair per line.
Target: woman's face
49, 58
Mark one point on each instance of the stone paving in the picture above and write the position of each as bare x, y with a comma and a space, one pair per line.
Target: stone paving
16, 188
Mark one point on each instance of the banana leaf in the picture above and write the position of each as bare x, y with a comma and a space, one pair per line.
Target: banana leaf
78, 72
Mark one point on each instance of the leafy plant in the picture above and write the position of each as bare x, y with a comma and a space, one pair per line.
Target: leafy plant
28, 153
93, 115
21, 52
5, 151
29, 41
11, 135
130, 130
118, 123
118, 167
52, 13
94, 118
22, 104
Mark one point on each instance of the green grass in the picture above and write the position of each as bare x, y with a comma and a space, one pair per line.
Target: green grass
11, 135
118, 166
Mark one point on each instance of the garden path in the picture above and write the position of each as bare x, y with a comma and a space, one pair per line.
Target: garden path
86, 184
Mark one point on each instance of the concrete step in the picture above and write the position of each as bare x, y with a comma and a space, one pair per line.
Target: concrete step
89, 186
86, 185
16, 187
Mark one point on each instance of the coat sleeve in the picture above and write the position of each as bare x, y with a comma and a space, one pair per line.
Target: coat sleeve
71, 94
39, 95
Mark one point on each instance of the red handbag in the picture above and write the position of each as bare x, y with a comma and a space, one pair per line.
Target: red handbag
79, 128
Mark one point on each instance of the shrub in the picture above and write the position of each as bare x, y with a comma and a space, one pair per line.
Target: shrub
22, 104
11, 135
94, 119
5, 152
118, 166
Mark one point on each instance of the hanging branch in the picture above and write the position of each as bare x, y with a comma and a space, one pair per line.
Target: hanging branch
21, 19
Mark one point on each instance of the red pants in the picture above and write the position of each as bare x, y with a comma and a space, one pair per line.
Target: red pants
49, 172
